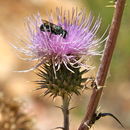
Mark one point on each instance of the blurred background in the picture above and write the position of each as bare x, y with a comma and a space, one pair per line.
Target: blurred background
116, 95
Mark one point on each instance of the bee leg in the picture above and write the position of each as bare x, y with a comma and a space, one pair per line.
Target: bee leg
64, 33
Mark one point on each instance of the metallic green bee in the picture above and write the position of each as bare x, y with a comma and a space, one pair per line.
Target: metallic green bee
54, 29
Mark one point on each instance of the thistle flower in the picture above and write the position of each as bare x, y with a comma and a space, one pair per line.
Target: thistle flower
73, 50
61, 49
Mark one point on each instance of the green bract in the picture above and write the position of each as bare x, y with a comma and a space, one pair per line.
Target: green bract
64, 82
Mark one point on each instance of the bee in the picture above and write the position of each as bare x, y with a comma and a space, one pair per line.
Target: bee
54, 29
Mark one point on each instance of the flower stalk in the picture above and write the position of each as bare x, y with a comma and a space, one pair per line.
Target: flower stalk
65, 110
104, 66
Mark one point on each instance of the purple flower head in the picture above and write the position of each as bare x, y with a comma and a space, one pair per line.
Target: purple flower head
73, 49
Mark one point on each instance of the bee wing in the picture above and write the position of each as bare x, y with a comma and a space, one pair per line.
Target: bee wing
45, 21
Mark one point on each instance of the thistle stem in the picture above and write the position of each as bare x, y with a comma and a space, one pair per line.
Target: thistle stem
104, 66
65, 110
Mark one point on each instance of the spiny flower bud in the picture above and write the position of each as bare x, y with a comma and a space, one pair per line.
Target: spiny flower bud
65, 82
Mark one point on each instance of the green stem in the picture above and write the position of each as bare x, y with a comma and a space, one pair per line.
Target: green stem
65, 110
